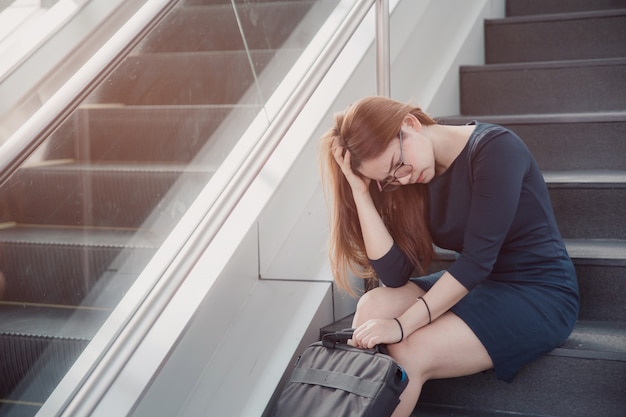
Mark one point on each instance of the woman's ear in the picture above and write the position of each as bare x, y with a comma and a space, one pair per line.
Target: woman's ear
412, 122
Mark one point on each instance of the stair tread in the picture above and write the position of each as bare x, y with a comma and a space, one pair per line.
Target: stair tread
516, 66
607, 177
76, 236
546, 7
597, 340
434, 410
609, 249
597, 35
50, 321
600, 116
557, 16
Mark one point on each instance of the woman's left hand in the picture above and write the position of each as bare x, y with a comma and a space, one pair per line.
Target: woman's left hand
358, 184
375, 332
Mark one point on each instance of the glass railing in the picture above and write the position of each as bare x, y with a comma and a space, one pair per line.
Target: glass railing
42, 43
92, 220
24, 25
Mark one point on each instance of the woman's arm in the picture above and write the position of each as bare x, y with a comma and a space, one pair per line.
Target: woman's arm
376, 237
446, 292
443, 295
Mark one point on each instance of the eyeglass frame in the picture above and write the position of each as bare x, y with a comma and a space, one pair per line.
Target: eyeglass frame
392, 182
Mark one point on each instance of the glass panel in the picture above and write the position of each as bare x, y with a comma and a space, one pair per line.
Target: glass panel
280, 32
43, 43
81, 219
25, 24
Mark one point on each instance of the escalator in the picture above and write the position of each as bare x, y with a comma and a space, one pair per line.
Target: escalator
83, 216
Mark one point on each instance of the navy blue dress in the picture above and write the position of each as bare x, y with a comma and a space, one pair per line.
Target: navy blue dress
492, 207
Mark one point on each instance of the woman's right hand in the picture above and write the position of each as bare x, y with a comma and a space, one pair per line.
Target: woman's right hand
357, 183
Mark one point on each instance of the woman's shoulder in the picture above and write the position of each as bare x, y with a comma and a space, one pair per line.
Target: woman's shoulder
489, 137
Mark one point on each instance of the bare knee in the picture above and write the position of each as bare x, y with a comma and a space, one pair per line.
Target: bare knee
385, 302
373, 304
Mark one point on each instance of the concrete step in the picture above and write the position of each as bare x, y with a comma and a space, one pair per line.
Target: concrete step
172, 134
535, 7
556, 37
601, 270
545, 87
576, 197
109, 195
34, 258
566, 142
215, 27
557, 77
583, 377
434, 410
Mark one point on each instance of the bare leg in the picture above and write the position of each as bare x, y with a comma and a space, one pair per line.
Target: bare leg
445, 348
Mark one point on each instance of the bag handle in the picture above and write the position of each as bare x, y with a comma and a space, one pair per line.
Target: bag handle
329, 340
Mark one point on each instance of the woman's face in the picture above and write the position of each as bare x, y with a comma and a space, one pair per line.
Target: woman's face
409, 160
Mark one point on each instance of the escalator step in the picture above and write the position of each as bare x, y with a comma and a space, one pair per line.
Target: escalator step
38, 344
34, 258
117, 196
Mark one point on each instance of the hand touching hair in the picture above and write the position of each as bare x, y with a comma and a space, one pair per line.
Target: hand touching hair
363, 131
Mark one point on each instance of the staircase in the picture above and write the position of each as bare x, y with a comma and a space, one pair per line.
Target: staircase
555, 74
79, 224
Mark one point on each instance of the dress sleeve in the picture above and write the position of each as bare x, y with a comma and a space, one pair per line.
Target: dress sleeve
499, 164
393, 269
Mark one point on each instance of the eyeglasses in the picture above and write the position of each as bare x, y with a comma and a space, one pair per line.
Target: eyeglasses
391, 182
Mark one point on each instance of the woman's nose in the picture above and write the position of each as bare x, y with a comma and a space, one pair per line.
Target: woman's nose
405, 179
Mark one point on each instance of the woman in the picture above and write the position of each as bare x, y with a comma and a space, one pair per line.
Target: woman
400, 182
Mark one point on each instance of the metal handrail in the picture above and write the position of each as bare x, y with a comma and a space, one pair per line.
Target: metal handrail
89, 394
383, 73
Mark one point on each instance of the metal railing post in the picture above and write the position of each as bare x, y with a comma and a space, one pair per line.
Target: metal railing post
383, 79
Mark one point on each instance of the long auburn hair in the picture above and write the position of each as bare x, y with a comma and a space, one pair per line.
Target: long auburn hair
366, 128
